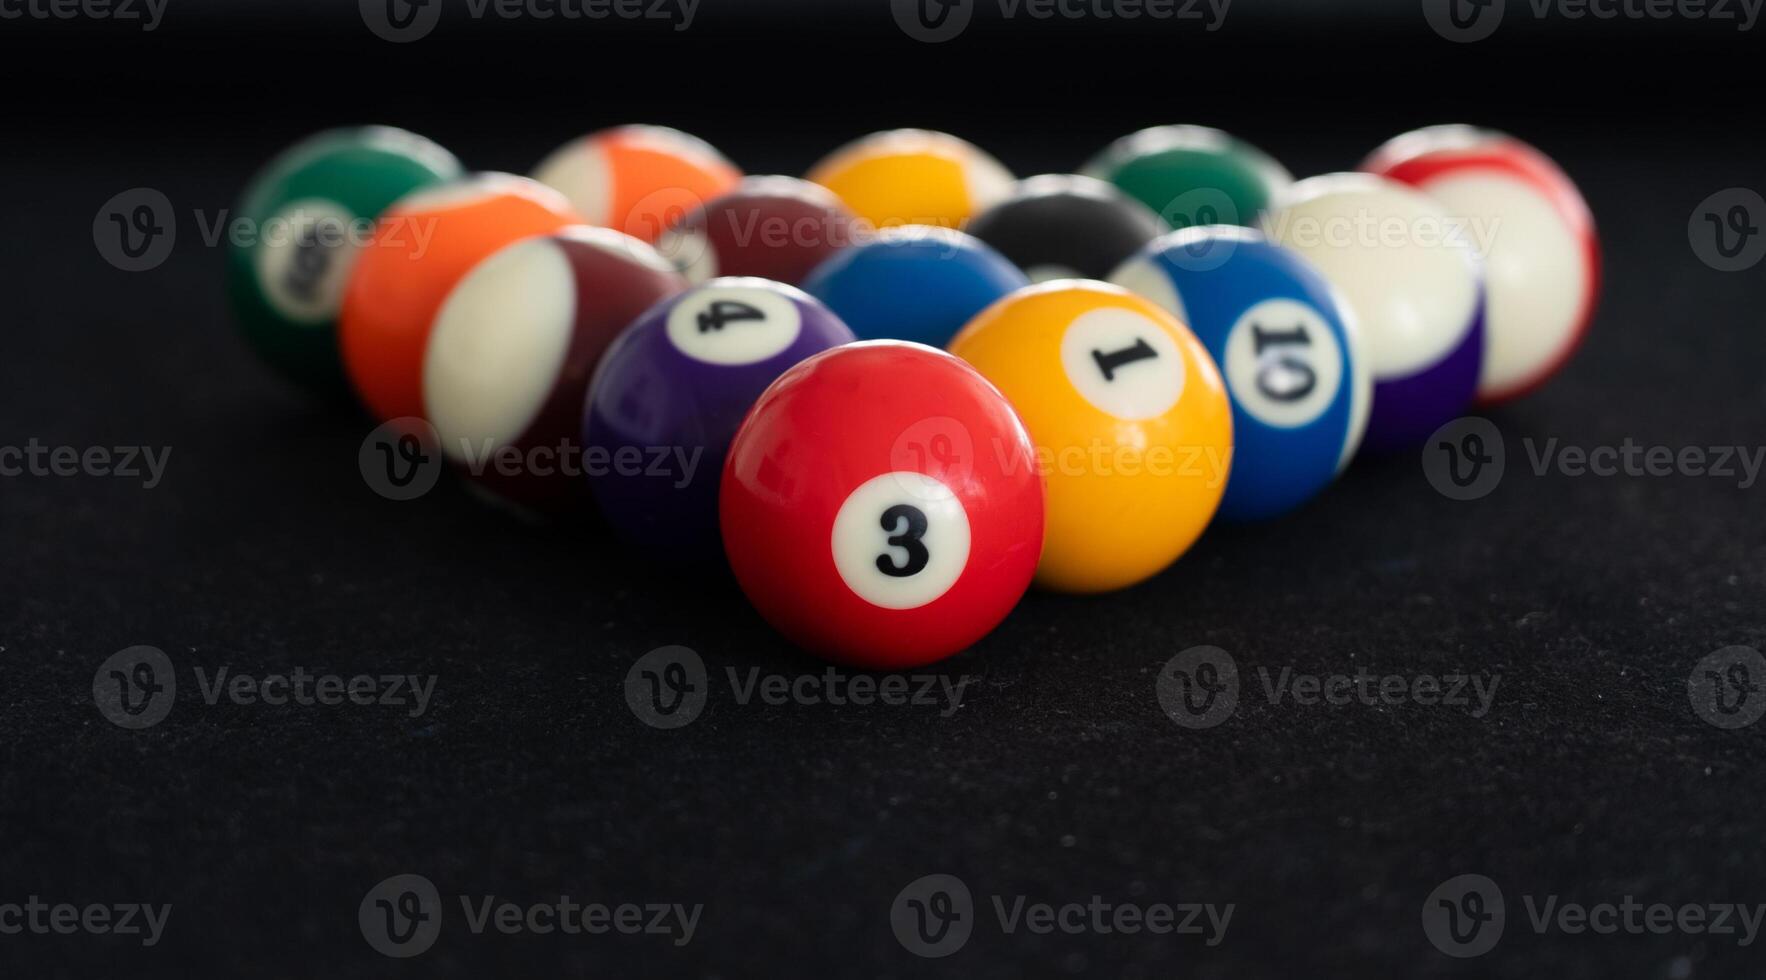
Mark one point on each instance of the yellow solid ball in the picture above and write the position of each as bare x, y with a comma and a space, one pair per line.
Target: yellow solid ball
1130, 418
914, 177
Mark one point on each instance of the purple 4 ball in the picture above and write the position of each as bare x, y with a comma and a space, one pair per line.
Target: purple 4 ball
668, 396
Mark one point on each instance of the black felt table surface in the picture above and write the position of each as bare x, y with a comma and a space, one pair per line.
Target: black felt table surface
1588, 600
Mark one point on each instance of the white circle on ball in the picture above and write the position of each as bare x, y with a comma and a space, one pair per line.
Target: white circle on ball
733, 324
305, 254
1124, 363
1283, 363
901, 540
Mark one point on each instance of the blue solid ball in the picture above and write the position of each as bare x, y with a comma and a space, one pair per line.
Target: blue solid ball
913, 282
1287, 347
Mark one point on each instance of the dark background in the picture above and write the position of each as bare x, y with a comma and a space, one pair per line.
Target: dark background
796, 826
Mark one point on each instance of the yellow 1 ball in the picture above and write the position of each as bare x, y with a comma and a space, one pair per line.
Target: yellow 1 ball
1130, 419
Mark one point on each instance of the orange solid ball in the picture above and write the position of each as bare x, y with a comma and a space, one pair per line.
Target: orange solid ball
421, 247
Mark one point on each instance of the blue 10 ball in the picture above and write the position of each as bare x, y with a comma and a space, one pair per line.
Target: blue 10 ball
1285, 344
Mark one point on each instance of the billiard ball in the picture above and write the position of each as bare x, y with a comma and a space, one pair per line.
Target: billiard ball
879, 505
1534, 232
915, 282
312, 207
513, 348
1286, 347
1193, 175
776, 228
914, 177
637, 179
667, 398
1063, 226
1130, 419
421, 247
1413, 286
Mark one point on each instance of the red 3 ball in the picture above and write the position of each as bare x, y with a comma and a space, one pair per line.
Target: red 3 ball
881, 505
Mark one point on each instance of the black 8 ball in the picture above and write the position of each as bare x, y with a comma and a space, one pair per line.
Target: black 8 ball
1064, 226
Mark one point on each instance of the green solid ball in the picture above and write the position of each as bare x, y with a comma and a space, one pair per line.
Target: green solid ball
297, 231
1193, 175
